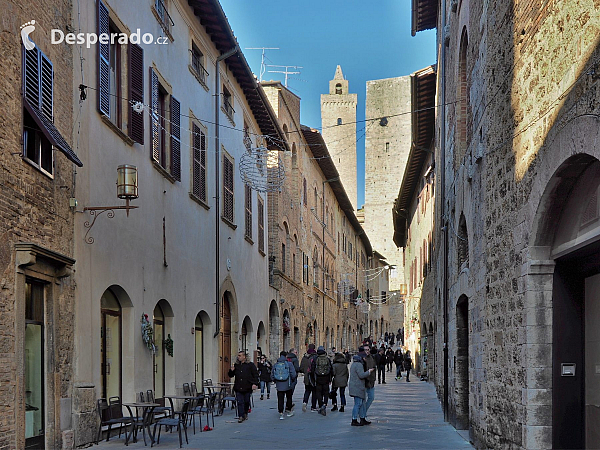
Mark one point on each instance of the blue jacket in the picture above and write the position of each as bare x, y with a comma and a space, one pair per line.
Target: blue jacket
288, 384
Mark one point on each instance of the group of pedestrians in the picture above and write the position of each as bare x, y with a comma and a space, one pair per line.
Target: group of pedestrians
324, 376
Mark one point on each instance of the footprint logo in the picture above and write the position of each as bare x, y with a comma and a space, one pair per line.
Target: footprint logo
26, 30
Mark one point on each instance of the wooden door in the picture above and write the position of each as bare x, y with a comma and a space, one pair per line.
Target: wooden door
225, 340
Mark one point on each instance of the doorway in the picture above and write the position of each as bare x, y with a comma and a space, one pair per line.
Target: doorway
34, 365
461, 365
159, 355
225, 339
199, 351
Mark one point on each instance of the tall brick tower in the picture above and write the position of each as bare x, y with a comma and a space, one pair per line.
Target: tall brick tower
338, 119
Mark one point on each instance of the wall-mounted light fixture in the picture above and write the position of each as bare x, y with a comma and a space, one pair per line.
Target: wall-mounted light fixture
127, 189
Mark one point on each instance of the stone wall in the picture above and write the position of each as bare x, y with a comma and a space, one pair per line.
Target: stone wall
33, 208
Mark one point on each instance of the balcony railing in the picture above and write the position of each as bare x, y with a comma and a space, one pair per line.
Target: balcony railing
227, 106
197, 66
164, 16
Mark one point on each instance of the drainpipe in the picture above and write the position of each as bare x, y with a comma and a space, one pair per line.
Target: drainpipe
223, 57
442, 73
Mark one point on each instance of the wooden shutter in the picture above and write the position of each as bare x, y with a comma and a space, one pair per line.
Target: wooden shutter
227, 188
31, 76
136, 92
154, 116
46, 89
175, 139
248, 201
199, 163
103, 61
261, 226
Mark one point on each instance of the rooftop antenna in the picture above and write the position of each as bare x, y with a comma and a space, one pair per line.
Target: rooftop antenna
262, 59
287, 71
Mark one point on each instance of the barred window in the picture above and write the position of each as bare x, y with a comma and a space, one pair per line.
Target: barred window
248, 203
227, 188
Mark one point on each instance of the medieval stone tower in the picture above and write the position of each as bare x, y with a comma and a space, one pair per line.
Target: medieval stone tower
338, 119
387, 145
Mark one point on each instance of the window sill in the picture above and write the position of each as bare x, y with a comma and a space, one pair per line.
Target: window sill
198, 78
228, 116
229, 223
262, 252
162, 24
164, 172
38, 168
199, 201
117, 130
249, 240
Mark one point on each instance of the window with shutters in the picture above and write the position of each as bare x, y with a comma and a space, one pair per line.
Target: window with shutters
305, 192
261, 225
228, 199
248, 215
166, 129
197, 65
198, 140
228, 103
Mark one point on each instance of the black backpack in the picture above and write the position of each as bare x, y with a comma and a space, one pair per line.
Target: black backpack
322, 366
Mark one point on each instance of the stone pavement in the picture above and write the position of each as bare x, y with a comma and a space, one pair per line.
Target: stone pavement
404, 416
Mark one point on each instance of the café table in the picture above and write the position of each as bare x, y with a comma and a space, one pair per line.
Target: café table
147, 410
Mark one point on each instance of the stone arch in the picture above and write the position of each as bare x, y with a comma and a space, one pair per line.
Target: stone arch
229, 326
203, 345
261, 337
274, 329
246, 339
463, 104
463, 243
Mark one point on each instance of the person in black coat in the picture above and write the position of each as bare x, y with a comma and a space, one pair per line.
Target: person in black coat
399, 361
380, 359
389, 356
407, 364
264, 370
246, 380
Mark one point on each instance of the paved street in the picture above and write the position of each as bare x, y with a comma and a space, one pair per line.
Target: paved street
404, 415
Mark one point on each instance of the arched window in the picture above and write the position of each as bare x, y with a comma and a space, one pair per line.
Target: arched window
305, 192
463, 107
463, 243
338, 88
110, 346
294, 156
339, 121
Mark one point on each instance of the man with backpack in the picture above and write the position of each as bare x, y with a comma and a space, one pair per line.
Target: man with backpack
321, 367
309, 382
284, 375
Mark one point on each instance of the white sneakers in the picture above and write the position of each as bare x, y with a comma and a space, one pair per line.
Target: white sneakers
303, 407
281, 416
290, 413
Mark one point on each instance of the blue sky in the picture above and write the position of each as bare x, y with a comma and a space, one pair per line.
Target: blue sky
370, 40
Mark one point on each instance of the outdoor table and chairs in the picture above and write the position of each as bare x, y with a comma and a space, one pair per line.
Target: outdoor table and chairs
144, 421
178, 419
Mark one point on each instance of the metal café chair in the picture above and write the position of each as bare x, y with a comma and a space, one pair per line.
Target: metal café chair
186, 389
105, 412
178, 420
204, 405
164, 410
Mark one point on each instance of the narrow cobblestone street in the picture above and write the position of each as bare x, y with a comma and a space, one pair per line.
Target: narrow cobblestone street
404, 416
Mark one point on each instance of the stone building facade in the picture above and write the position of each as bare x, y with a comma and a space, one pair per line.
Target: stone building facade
37, 289
182, 259
517, 219
317, 248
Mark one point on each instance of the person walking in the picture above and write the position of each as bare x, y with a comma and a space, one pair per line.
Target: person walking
264, 372
357, 390
246, 380
284, 375
340, 381
380, 358
407, 364
369, 358
321, 367
389, 357
399, 361
309, 382
347, 356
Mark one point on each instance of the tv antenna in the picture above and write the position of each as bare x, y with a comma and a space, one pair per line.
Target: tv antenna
262, 59
286, 71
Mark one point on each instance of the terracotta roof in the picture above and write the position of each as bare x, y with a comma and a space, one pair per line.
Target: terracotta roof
319, 150
423, 87
213, 19
424, 15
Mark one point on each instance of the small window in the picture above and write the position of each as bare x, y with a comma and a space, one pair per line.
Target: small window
339, 121
387, 147
36, 147
228, 189
198, 63
338, 88
261, 226
228, 103
198, 163
283, 258
304, 191
163, 16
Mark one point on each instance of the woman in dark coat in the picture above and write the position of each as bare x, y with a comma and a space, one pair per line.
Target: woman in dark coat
340, 380
399, 360
264, 370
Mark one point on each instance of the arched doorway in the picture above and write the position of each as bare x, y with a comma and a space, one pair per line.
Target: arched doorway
162, 331
110, 344
225, 337
461, 366
261, 337
246, 341
199, 350
568, 254
273, 330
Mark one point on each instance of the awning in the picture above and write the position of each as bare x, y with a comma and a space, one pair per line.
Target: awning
51, 133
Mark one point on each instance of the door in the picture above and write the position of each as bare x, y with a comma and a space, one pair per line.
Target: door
159, 356
225, 340
592, 362
110, 345
199, 366
34, 365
